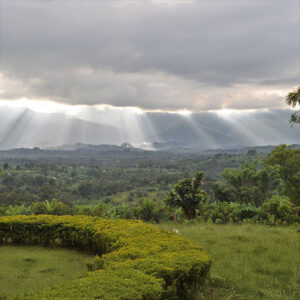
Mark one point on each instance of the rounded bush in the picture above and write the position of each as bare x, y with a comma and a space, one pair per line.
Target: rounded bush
138, 260
278, 210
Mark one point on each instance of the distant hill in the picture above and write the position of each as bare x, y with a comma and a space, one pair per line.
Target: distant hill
24, 128
209, 130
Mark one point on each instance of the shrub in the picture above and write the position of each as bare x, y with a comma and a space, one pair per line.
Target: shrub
97, 264
278, 210
137, 260
39, 208
148, 210
188, 195
2, 211
224, 212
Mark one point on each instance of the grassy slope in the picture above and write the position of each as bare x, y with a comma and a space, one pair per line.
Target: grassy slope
250, 261
27, 269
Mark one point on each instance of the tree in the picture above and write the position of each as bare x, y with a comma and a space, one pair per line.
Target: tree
148, 210
221, 192
288, 162
47, 191
293, 99
249, 185
58, 208
187, 194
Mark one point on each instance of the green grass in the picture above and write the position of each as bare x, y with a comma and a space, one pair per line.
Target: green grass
249, 261
29, 269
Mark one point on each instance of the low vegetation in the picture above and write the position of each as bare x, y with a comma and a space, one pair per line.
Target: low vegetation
134, 260
249, 261
30, 269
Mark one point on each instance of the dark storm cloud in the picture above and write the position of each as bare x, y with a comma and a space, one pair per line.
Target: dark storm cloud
156, 55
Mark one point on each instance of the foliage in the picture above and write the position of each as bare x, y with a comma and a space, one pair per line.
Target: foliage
139, 260
109, 285
224, 212
2, 211
89, 189
249, 185
97, 264
278, 210
188, 194
274, 210
104, 179
53, 207
40, 208
293, 99
222, 193
288, 162
17, 210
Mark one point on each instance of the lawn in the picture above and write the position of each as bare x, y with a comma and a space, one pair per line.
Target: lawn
249, 261
28, 269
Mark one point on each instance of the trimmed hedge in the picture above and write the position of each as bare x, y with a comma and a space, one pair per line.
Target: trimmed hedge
139, 261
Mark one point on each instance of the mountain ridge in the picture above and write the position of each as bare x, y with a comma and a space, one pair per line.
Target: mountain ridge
161, 131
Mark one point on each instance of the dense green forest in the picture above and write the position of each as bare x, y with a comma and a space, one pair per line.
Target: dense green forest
88, 180
136, 184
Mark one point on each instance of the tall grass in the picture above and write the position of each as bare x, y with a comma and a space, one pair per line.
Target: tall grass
28, 269
249, 261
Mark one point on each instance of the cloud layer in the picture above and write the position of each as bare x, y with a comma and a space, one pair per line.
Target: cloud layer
167, 55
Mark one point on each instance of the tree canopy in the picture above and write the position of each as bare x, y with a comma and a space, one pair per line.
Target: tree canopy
247, 184
288, 162
187, 194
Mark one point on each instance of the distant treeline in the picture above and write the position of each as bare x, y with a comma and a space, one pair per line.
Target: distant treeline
259, 188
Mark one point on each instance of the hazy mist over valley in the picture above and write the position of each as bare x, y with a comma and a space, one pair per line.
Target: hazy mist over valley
24, 128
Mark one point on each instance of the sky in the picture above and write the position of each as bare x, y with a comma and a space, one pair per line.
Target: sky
152, 55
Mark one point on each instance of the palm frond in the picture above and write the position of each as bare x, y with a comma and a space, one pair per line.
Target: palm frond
293, 98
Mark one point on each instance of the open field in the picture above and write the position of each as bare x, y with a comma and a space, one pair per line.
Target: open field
28, 269
249, 261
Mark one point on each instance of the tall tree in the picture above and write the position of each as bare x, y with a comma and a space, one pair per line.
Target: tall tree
288, 161
249, 185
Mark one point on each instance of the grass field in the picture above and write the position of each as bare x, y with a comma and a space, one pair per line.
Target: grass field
249, 261
28, 269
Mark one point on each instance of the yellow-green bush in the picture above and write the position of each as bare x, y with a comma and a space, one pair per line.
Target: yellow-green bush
139, 260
